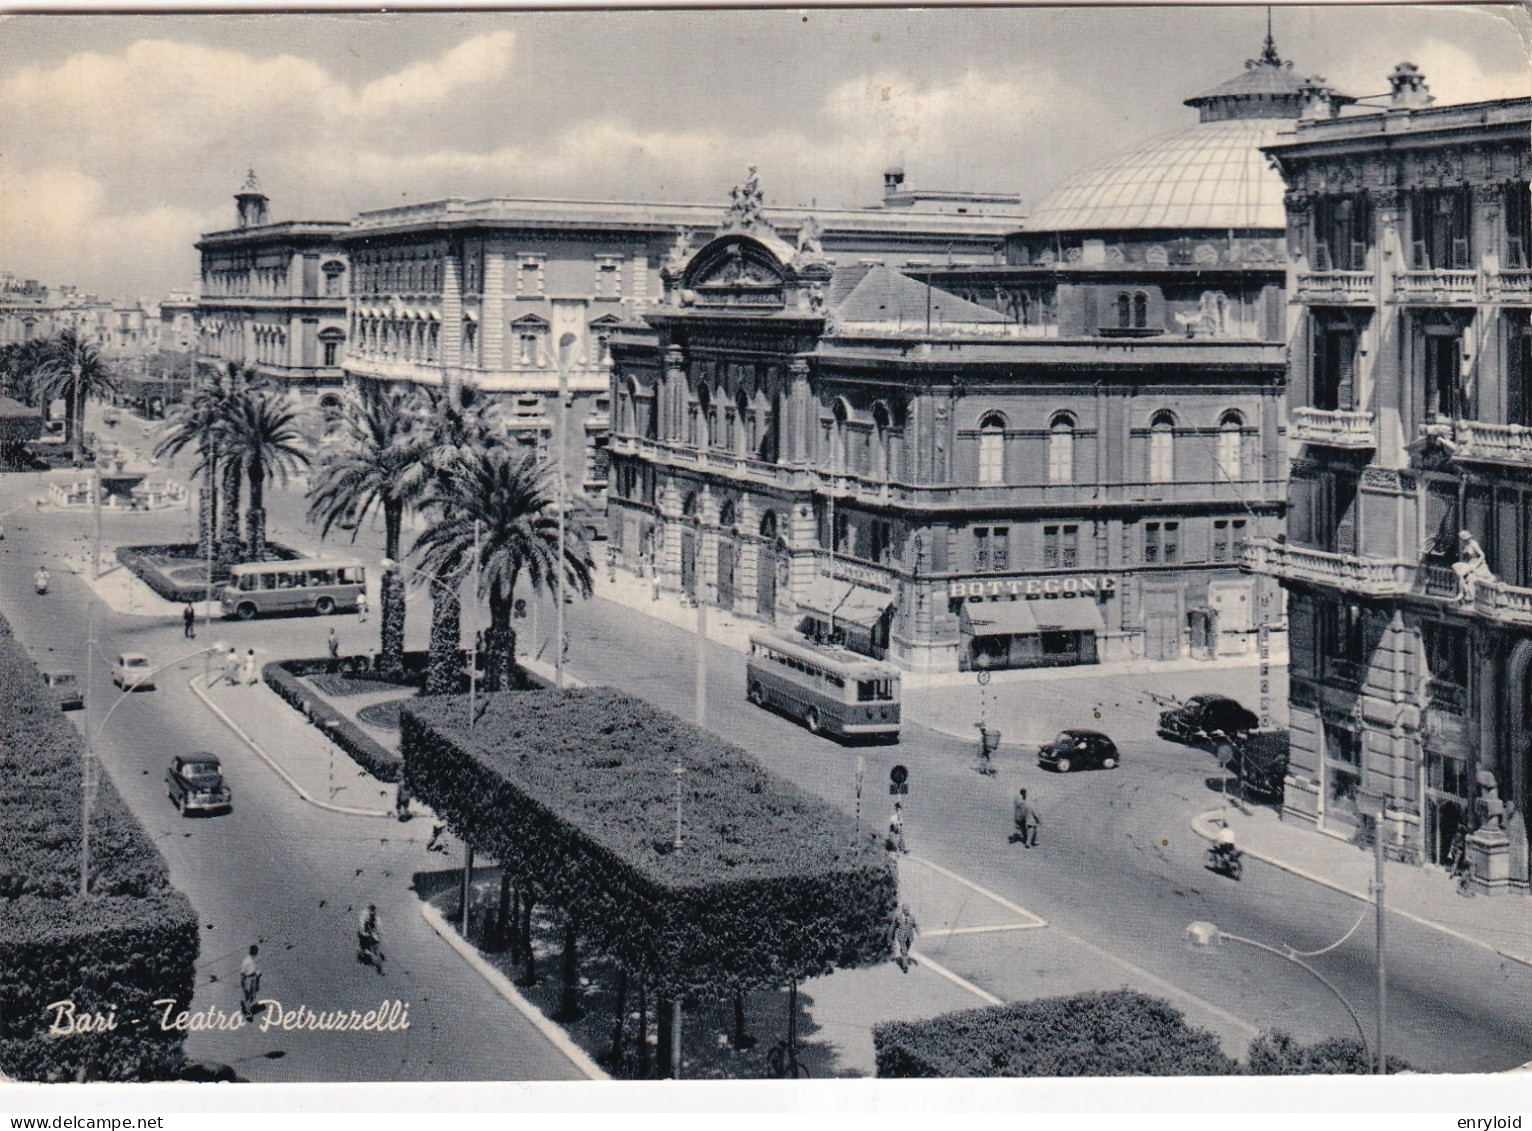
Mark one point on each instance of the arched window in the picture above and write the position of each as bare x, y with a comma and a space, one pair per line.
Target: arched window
1230, 440
842, 413
992, 449
746, 442
1162, 452
1124, 310
689, 505
882, 419
726, 514
1061, 449
705, 412
1140, 310
769, 526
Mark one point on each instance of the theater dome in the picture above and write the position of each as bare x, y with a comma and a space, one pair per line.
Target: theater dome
1211, 176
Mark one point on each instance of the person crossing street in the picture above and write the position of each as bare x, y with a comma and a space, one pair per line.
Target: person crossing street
1026, 820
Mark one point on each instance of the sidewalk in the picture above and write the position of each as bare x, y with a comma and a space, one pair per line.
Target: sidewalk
1424, 895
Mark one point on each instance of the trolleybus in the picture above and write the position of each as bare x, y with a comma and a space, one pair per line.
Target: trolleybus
832, 690
307, 585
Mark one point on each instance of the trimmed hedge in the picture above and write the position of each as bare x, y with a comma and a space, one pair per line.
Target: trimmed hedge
137, 560
282, 676
575, 794
1121, 1033
133, 940
1276, 1053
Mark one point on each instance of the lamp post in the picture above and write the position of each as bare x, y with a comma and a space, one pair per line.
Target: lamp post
1375, 806
87, 777
1202, 935
566, 344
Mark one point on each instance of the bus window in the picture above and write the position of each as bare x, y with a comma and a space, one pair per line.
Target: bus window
321, 577
268, 581
350, 575
838, 681
874, 690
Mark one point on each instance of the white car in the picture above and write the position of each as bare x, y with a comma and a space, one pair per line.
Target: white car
133, 672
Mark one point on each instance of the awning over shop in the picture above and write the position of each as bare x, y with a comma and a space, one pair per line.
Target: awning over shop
845, 603
1000, 618
1067, 615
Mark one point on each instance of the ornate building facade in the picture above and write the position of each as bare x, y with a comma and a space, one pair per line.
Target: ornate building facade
1408, 555
274, 298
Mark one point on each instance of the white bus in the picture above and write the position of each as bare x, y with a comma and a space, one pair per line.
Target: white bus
832, 690
307, 585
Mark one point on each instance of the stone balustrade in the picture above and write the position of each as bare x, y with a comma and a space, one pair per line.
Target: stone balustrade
1334, 428
1372, 577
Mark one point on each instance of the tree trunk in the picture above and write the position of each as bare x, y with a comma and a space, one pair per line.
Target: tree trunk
69, 419
662, 1060
228, 532
77, 425
641, 1037
619, 1018
529, 974
742, 1040
207, 511
500, 649
391, 597
255, 520
500, 938
442, 675
569, 1002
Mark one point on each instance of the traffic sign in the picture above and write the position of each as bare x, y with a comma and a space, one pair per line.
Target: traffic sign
898, 780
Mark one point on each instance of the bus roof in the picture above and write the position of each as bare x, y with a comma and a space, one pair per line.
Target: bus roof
297, 563
831, 653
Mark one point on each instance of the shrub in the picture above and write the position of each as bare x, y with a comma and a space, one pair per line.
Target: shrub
1121, 1033
1276, 1053
139, 560
282, 677
133, 940
575, 793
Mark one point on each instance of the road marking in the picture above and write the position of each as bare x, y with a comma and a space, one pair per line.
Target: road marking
555, 1034
1033, 919
283, 774
937, 968
948, 932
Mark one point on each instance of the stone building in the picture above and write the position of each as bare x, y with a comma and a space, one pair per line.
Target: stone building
1408, 556
274, 299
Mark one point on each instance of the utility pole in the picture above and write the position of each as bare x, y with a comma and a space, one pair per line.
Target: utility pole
86, 780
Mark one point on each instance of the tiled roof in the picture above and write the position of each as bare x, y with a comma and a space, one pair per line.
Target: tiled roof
1257, 80
1208, 176
880, 294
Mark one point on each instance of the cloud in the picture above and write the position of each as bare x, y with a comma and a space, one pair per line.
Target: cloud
475, 63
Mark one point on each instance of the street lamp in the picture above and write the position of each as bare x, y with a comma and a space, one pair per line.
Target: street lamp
1202, 935
1375, 807
87, 780
566, 344
389, 564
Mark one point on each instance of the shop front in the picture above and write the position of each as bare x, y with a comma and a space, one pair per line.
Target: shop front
1031, 622
852, 615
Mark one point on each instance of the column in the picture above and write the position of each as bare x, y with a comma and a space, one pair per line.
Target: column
670, 399
801, 416
452, 314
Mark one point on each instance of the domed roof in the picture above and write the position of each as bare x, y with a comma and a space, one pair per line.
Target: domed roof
1209, 176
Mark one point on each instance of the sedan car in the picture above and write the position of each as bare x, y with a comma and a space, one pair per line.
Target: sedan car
1203, 716
67, 688
195, 783
133, 672
1075, 748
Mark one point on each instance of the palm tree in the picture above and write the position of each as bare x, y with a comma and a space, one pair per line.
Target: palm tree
497, 515
263, 440
196, 424
76, 372
455, 425
375, 468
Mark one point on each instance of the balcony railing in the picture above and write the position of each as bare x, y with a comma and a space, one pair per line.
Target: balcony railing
1334, 428
1446, 696
1436, 581
1437, 286
1493, 443
1505, 604
1515, 284
1337, 286
1369, 577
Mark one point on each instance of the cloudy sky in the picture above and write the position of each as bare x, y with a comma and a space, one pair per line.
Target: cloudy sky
122, 137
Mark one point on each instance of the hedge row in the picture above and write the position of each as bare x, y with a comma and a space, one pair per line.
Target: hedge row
132, 941
575, 793
283, 677
1121, 1033
136, 559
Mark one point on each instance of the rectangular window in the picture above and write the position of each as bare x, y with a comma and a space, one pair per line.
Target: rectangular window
1518, 227
842, 531
1221, 540
1061, 546
1343, 744
1446, 648
882, 540
1050, 547
1170, 542
981, 549
1442, 376
1342, 232
1000, 552
1334, 367
1151, 543
1441, 229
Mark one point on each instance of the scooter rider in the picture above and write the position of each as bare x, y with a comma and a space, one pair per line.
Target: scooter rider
41, 578
1224, 848
369, 940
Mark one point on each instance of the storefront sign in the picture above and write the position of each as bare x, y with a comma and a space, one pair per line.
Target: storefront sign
1083, 585
860, 575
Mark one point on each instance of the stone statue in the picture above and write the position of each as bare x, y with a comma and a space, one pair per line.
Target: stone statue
1471, 567
679, 251
745, 203
809, 238
1491, 808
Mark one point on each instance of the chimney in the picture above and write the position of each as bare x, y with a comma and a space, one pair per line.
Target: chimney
1408, 86
893, 180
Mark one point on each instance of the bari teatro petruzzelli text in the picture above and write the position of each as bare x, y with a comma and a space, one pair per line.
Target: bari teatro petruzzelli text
389, 1017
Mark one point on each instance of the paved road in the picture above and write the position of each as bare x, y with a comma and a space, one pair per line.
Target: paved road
275, 871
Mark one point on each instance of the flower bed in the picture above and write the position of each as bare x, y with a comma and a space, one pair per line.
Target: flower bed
575, 792
283, 677
135, 939
178, 572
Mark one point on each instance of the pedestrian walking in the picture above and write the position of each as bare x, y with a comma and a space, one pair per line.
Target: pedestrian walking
249, 983
402, 802
231, 667
895, 841
189, 621
333, 646
905, 929
361, 607
1026, 820
250, 667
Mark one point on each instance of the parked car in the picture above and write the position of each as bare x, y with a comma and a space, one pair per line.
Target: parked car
195, 783
67, 688
1075, 748
132, 672
1204, 716
1259, 761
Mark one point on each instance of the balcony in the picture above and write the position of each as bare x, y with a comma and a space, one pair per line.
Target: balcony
1477, 441
1436, 581
1509, 605
1337, 286
1334, 428
1367, 577
1445, 696
1436, 286
1513, 285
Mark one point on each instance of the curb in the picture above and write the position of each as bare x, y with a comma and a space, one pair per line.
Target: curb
1303, 874
283, 774
507, 990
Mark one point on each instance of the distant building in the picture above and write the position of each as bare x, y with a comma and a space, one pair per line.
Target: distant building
1408, 557
274, 298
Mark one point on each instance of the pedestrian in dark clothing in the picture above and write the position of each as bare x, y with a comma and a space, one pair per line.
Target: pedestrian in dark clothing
249, 984
895, 842
333, 644
905, 929
189, 621
1026, 820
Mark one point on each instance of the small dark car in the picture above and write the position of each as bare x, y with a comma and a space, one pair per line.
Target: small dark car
67, 688
195, 783
1203, 716
1074, 749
